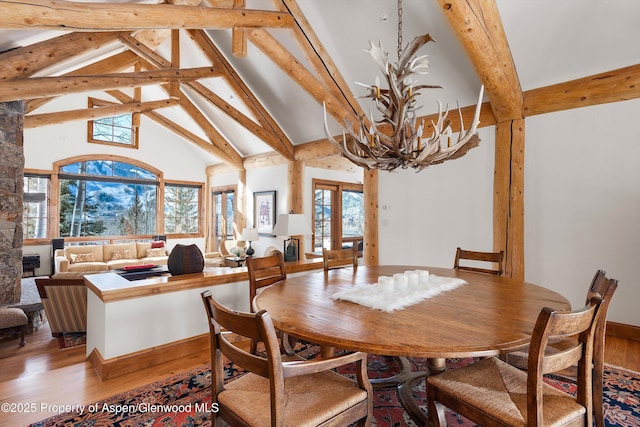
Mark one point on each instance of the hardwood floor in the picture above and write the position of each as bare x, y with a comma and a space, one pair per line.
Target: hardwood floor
37, 377
41, 375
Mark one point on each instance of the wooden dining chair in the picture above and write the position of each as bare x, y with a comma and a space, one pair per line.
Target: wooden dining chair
491, 392
266, 271
339, 258
602, 287
473, 256
277, 389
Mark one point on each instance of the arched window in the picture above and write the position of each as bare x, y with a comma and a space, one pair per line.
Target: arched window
112, 197
107, 198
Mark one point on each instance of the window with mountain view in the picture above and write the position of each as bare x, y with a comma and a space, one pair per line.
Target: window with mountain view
107, 198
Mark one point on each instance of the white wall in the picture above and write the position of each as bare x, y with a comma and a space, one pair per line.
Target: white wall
424, 216
582, 202
582, 205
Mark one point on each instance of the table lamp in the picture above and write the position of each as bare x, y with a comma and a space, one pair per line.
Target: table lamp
249, 235
291, 225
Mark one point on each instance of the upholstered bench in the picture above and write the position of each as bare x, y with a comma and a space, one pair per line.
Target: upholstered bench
14, 318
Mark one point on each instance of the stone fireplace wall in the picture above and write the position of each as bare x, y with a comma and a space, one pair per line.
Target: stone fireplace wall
11, 196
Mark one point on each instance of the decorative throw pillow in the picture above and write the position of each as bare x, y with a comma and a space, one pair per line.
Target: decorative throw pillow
151, 252
125, 254
76, 258
157, 244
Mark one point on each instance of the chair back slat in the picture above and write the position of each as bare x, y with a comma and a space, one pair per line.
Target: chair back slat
339, 258
558, 361
550, 326
605, 288
250, 362
497, 258
254, 326
264, 271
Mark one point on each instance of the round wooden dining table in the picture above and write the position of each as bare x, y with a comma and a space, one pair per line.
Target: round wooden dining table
487, 316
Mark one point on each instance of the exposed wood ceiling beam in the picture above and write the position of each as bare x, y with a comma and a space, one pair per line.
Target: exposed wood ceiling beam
38, 120
49, 86
228, 157
318, 57
72, 16
156, 60
478, 26
219, 141
114, 63
189, 136
613, 86
144, 52
280, 143
28, 60
264, 41
253, 127
239, 35
154, 38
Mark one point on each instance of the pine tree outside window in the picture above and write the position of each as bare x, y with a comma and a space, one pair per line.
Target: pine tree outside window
107, 198
181, 208
117, 130
35, 217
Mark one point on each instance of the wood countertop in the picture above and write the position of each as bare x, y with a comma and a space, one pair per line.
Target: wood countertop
110, 287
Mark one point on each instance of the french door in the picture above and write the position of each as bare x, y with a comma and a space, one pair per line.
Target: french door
338, 214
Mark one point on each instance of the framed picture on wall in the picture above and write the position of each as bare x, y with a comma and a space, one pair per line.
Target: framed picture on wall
264, 212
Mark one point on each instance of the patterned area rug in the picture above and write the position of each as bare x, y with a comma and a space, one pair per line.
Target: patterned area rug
185, 399
72, 339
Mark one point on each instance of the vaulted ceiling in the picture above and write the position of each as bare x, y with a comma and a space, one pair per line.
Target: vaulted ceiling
245, 80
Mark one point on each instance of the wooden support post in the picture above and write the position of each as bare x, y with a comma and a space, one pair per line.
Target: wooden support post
241, 203
508, 202
295, 200
371, 217
239, 35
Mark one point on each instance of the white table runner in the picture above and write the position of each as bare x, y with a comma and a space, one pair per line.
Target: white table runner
374, 297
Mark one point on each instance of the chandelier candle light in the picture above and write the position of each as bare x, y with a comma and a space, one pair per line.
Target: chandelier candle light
404, 145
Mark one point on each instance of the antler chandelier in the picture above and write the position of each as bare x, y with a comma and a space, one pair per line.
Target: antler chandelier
374, 146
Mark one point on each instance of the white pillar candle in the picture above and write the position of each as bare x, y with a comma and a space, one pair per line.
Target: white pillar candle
399, 282
385, 283
423, 277
412, 278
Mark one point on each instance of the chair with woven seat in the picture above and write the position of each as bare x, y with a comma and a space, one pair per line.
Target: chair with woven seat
266, 271
339, 258
279, 390
474, 256
493, 393
601, 287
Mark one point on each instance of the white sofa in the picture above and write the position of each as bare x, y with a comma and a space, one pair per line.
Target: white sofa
96, 258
